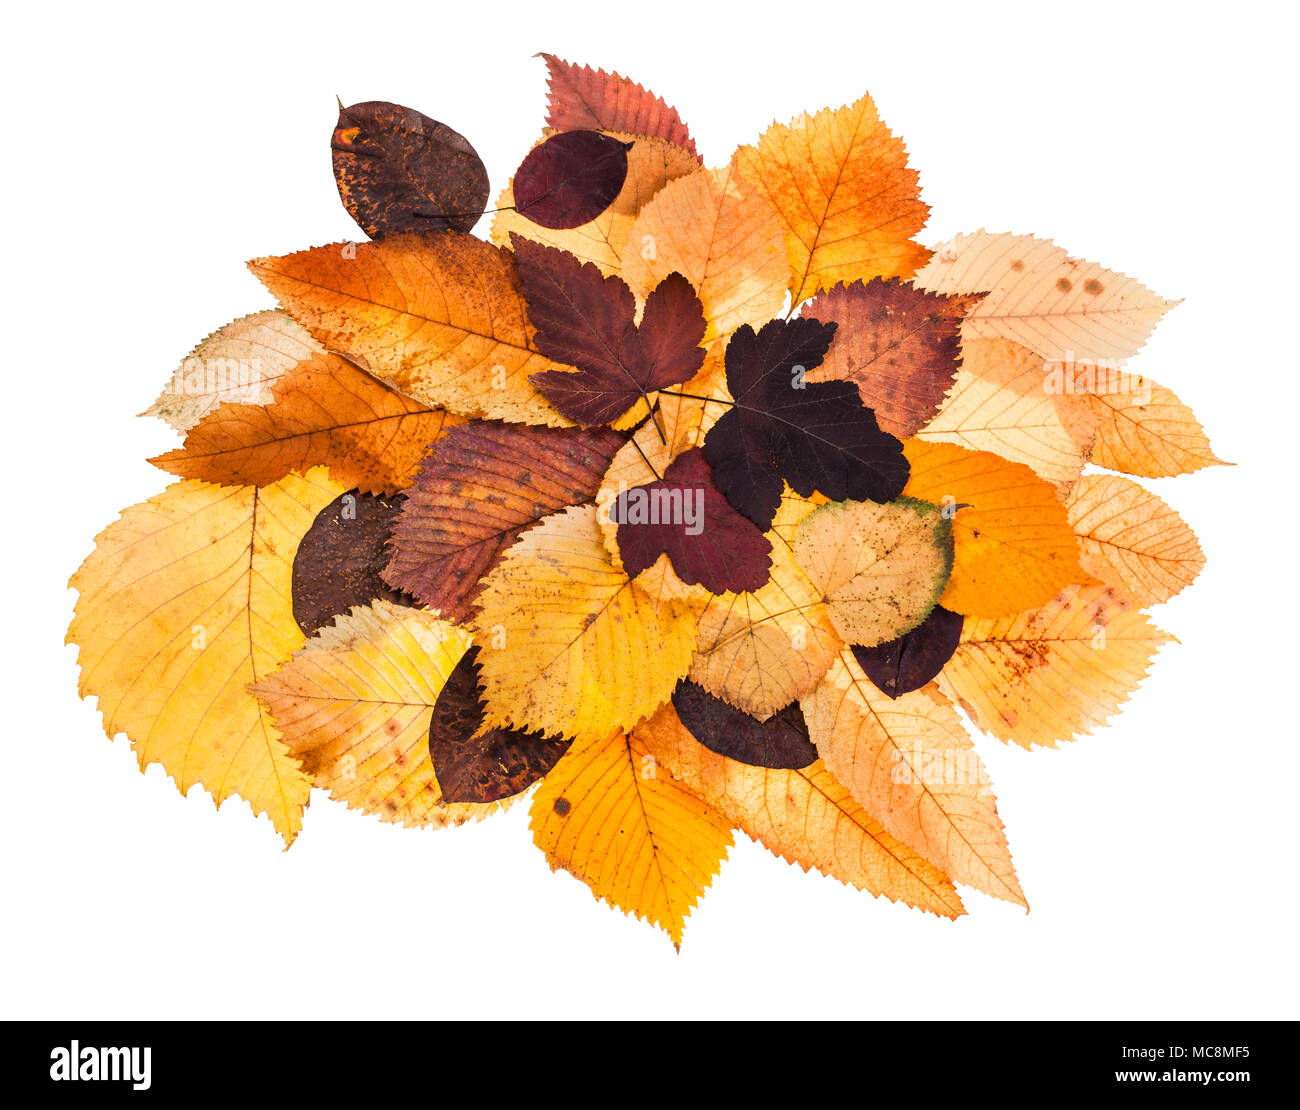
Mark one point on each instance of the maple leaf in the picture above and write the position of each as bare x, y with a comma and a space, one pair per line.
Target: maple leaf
588, 320
651, 164
339, 559
916, 657
185, 601
910, 763
780, 741
817, 436
879, 568
759, 651
355, 705
1001, 403
1013, 547
582, 97
1129, 537
708, 542
1040, 297
635, 837
806, 816
569, 647
322, 411
899, 344
477, 764
398, 170
570, 178
237, 363
1056, 671
479, 488
714, 228
848, 200
439, 317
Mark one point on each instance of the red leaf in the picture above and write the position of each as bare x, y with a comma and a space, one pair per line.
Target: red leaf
584, 97
588, 320
708, 542
571, 178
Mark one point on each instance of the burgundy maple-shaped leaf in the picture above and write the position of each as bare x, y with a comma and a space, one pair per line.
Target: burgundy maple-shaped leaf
817, 436
476, 492
781, 741
473, 764
339, 560
915, 658
899, 344
685, 517
588, 320
571, 178
398, 170
580, 96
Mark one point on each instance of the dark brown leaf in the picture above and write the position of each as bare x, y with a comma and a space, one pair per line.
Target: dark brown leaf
571, 178
781, 741
908, 663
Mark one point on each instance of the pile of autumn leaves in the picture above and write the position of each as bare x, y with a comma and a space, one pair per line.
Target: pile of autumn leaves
702, 496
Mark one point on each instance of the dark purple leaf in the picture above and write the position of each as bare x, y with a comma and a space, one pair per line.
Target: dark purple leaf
780, 741
571, 178
912, 660
684, 516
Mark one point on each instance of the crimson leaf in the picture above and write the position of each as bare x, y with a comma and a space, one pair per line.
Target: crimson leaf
684, 516
571, 178
912, 660
780, 741
817, 436
589, 321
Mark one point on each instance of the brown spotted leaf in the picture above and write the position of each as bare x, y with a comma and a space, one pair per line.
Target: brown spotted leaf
477, 764
580, 96
323, 411
398, 170
900, 344
480, 487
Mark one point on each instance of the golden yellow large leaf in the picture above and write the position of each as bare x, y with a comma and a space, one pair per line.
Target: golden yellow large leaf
806, 817
1130, 538
236, 364
184, 602
717, 231
761, 650
1040, 297
569, 648
638, 839
1013, 547
848, 201
1055, 672
1138, 427
651, 164
910, 763
1000, 403
439, 317
879, 568
354, 706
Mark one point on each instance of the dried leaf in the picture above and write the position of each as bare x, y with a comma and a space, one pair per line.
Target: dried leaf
185, 601
570, 178
780, 741
848, 200
915, 658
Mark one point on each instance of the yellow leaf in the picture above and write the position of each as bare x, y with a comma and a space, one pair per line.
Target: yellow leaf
184, 602
1013, 547
651, 164
880, 568
761, 650
1043, 299
1000, 403
848, 201
806, 817
720, 234
439, 317
569, 648
910, 763
354, 706
1055, 672
236, 364
1132, 539
606, 815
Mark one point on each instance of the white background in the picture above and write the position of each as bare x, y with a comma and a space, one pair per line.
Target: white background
150, 151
